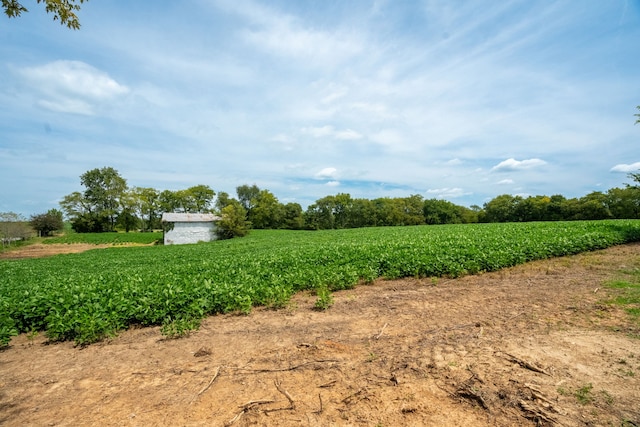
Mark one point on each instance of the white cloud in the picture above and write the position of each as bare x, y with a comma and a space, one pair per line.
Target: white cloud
505, 182
333, 184
513, 164
72, 86
286, 35
633, 167
447, 193
327, 173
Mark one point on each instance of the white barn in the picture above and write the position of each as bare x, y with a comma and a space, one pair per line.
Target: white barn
182, 228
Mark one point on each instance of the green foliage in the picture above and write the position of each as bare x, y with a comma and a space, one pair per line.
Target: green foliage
324, 298
86, 297
179, 327
233, 221
7, 325
63, 10
47, 223
196, 199
106, 238
104, 189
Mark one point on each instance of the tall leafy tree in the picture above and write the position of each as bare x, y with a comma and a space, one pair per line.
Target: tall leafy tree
74, 205
201, 197
267, 211
363, 213
168, 201
146, 205
624, 202
293, 218
412, 209
104, 190
247, 196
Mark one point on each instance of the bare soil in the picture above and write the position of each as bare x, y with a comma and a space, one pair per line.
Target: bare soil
40, 250
532, 345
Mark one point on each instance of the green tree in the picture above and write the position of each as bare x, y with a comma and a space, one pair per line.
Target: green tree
200, 197
438, 211
47, 223
233, 222
557, 208
266, 211
624, 202
127, 219
363, 213
319, 215
247, 196
104, 190
63, 10
146, 205
293, 218
222, 201
169, 201
75, 205
593, 206
502, 208
389, 212
342, 205
412, 210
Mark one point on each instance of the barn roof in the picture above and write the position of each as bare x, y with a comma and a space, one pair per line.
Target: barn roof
188, 217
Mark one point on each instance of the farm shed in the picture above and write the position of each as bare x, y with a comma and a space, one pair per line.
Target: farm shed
182, 228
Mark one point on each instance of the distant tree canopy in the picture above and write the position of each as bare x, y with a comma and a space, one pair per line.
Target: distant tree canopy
62, 10
13, 227
47, 223
108, 203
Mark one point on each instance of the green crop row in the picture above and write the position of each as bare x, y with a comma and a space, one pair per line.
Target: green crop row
105, 238
86, 297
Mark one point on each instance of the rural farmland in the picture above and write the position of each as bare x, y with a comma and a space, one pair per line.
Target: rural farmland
89, 296
547, 342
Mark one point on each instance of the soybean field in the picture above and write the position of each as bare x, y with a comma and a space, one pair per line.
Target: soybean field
89, 296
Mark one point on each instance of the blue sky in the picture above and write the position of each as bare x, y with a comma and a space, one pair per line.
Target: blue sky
456, 100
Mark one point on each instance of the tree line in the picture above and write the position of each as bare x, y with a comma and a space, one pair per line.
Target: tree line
107, 203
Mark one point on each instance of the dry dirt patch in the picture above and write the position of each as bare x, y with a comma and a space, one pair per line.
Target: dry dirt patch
40, 250
530, 345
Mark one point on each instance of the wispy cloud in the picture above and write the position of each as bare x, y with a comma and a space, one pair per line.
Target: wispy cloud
515, 165
71, 86
447, 193
634, 167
